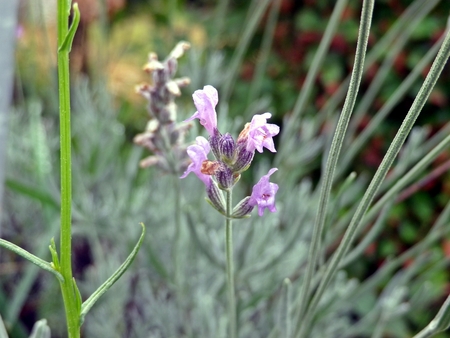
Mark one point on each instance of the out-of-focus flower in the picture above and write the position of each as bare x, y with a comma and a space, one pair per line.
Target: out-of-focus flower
263, 194
164, 136
205, 101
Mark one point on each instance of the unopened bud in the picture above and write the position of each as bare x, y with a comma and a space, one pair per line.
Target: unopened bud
215, 197
242, 209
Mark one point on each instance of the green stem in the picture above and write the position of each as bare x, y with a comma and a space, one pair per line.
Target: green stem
67, 287
230, 272
379, 176
336, 145
440, 323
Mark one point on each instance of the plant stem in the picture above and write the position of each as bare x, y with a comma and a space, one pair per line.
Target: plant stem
230, 273
67, 287
328, 175
394, 148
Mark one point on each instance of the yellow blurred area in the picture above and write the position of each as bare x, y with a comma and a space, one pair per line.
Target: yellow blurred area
115, 54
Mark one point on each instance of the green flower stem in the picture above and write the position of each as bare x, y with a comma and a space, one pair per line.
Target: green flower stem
386, 68
336, 145
399, 93
87, 305
67, 287
230, 273
401, 24
399, 185
385, 165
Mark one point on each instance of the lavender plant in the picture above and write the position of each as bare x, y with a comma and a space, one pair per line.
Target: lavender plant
280, 290
231, 159
163, 136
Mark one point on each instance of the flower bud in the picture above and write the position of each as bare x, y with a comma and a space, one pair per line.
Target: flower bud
214, 140
215, 197
225, 178
243, 159
171, 66
226, 148
242, 209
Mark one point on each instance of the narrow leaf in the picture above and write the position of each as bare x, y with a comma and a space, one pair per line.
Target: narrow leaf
3, 333
32, 192
40, 329
440, 323
67, 43
77, 295
87, 305
54, 254
32, 258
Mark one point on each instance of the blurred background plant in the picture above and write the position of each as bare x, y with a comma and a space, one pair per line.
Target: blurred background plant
258, 54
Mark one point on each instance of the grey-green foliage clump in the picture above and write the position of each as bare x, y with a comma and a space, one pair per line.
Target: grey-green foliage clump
155, 298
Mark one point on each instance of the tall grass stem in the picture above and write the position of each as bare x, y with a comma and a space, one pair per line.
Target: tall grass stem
382, 170
336, 145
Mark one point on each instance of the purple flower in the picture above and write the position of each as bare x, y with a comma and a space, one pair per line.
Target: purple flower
198, 154
260, 133
263, 194
205, 101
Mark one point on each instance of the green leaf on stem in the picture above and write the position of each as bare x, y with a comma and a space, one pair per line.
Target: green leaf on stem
67, 43
32, 192
54, 254
40, 329
32, 258
3, 332
87, 305
77, 295
440, 323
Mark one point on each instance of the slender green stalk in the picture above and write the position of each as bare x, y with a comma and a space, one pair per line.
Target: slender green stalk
386, 68
402, 23
336, 145
230, 273
379, 176
67, 287
399, 185
399, 93
440, 323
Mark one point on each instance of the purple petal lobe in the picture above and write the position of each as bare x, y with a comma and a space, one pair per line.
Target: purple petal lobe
205, 101
198, 153
263, 194
260, 133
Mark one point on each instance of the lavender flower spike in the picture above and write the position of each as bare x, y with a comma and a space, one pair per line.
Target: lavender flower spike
206, 101
260, 133
263, 194
198, 154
